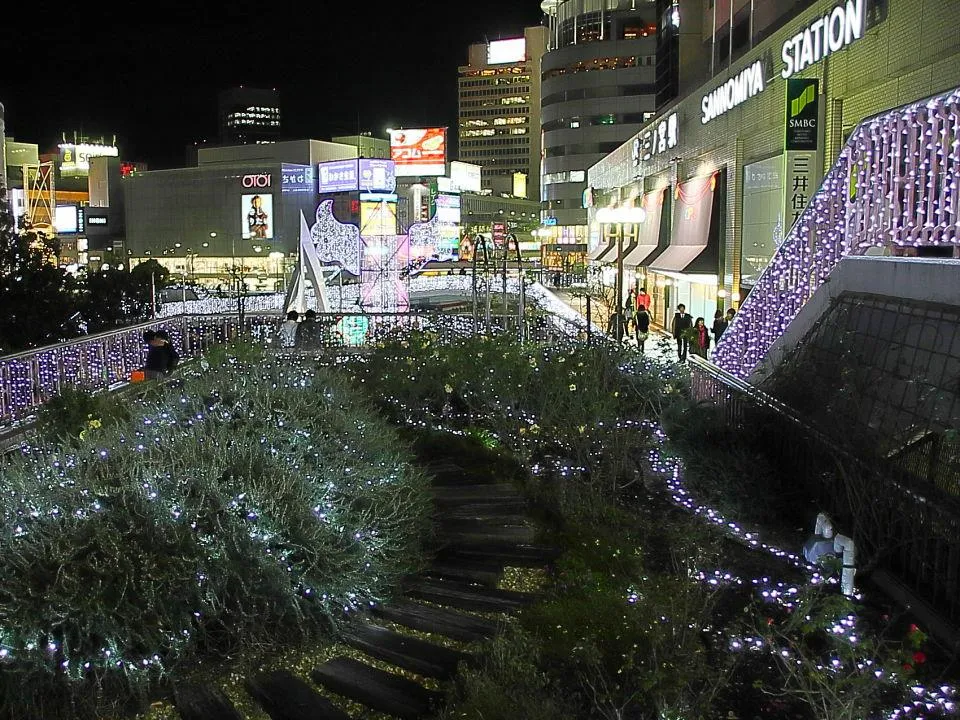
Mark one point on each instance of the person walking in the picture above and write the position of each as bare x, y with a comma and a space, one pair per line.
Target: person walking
700, 340
288, 330
617, 324
719, 326
644, 300
682, 322
641, 326
308, 333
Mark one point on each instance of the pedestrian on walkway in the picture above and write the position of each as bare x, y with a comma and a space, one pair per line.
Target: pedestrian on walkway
288, 330
644, 300
682, 322
641, 326
700, 340
617, 324
308, 333
719, 325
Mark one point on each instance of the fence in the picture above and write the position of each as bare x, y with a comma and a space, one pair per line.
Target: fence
904, 527
103, 361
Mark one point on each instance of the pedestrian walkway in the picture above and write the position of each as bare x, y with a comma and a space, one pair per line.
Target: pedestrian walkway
659, 344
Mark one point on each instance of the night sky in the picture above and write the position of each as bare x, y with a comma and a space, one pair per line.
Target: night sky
150, 73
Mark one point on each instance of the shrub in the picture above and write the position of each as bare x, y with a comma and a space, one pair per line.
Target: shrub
253, 501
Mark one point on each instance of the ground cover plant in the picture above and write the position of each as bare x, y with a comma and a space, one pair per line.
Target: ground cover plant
243, 507
661, 606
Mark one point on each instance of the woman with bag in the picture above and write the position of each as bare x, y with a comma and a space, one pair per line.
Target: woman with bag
641, 326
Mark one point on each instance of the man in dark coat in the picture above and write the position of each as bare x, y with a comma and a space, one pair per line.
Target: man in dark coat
682, 322
162, 358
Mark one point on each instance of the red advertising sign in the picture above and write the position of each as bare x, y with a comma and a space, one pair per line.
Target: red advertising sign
499, 234
419, 152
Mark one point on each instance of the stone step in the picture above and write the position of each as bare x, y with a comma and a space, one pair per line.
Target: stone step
286, 697
482, 573
410, 653
481, 509
475, 494
467, 597
442, 621
511, 555
382, 691
481, 521
202, 702
490, 534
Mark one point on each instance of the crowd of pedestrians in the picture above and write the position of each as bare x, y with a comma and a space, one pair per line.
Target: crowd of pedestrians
691, 335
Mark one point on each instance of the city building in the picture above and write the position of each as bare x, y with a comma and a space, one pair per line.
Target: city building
695, 204
3, 152
367, 145
248, 116
499, 112
599, 86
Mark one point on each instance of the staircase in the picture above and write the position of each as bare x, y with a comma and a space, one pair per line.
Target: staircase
482, 527
894, 184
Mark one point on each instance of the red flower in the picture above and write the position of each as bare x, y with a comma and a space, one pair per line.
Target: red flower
919, 658
908, 667
914, 628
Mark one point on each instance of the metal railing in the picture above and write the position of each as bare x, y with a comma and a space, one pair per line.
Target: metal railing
103, 361
904, 527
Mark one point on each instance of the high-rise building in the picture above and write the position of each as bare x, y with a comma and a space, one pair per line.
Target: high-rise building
249, 116
499, 114
3, 152
599, 85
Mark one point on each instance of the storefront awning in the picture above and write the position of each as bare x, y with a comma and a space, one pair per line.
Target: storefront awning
609, 253
696, 228
677, 258
637, 255
601, 250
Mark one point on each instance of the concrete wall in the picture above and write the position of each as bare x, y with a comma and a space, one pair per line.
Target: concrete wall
923, 280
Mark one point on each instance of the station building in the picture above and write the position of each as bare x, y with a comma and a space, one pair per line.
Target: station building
695, 204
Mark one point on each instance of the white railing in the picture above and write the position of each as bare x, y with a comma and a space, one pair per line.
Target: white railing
894, 185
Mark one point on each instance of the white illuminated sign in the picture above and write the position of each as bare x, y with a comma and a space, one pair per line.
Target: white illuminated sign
740, 88
659, 138
75, 157
506, 51
826, 35
96, 220
259, 180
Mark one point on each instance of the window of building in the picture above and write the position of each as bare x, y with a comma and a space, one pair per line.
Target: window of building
762, 206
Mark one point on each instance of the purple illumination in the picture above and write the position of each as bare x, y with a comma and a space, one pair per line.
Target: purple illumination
893, 185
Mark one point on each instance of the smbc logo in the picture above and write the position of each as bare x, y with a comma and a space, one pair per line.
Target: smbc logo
806, 97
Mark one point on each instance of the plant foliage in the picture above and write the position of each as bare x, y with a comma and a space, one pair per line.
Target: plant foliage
255, 501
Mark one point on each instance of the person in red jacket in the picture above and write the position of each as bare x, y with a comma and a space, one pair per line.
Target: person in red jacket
643, 300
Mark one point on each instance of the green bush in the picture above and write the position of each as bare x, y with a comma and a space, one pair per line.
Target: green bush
572, 409
73, 412
255, 501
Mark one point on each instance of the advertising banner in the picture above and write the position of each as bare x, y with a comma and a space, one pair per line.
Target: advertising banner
75, 157
802, 114
465, 177
338, 176
499, 233
448, 208
419, 152
378, 175
256, 216
297, 179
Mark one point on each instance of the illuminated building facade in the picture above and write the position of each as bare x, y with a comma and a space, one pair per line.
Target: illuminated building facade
599, 86
499, 112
